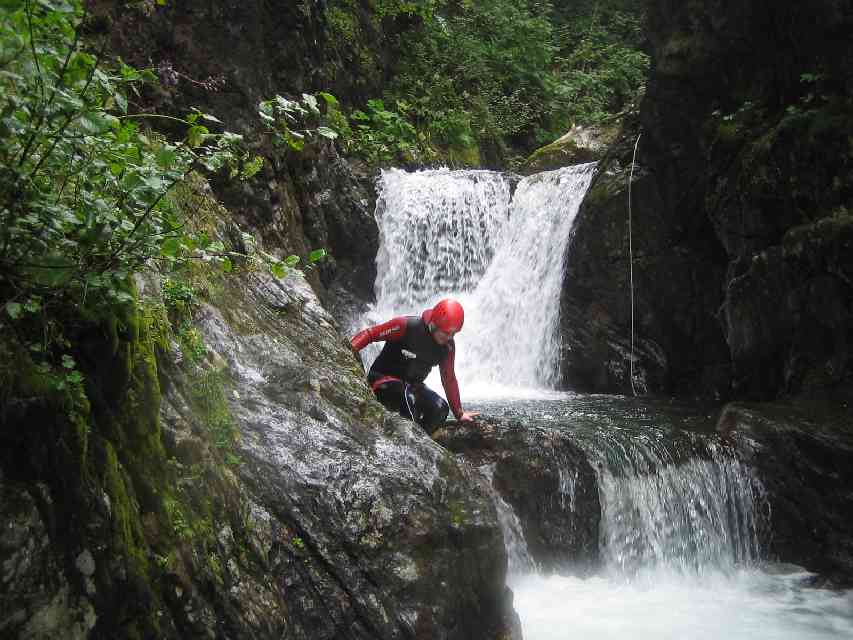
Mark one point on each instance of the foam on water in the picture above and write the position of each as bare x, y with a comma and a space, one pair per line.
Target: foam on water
749, 604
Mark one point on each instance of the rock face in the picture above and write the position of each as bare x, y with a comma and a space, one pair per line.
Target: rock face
804, 456
261, 492
298, 202
741, 205
546, 479
377, 533
577, 146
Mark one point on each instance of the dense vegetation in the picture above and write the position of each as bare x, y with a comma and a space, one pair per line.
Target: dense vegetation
88, 191
495, 76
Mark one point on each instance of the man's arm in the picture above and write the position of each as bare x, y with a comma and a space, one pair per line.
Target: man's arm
451, 386
392, 330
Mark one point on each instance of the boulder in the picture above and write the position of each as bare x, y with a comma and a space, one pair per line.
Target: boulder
803, 453
547, 480
577, 146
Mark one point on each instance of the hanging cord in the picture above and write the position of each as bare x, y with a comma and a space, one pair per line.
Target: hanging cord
631, 259
406, 387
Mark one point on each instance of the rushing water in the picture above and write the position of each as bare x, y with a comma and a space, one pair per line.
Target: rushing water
680, 536
683, 523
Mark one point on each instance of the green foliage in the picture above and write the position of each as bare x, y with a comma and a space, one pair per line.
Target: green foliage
178, 296
280, 115
381, 136
490, 74
599, 69
86, 188
478, 70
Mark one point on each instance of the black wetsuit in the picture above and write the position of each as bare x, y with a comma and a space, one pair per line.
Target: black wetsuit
398, 373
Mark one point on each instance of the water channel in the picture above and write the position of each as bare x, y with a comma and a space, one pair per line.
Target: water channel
683, 524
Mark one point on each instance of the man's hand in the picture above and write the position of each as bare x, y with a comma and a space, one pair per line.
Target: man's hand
468, 416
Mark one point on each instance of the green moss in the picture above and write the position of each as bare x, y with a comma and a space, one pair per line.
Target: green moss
468, 156
729, 133
550, 155
457, 513
126, 526
342, 24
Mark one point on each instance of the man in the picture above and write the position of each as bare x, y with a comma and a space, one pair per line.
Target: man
413, 346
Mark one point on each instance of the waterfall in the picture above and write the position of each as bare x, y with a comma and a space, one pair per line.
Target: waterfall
519, 560
438, 231
681, 519
459, 233
684, 514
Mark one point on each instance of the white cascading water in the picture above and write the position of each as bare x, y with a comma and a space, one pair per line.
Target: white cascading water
681, 558
445, 234
680, 553
519, 560
438, 232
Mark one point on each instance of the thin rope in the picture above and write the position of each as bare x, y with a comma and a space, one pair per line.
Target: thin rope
631, 259
406, 398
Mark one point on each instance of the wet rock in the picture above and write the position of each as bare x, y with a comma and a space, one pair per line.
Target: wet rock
674, 305
548, 481
803, 452
365, 527
740, 200
577, 146
38, 601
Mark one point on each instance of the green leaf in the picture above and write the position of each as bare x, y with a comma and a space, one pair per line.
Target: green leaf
326, 132
251, 167
167, 156
155, 183
196, 135
331, 100
121, 101
278, 269
311, 101
14, 310
226, 265
129, 73
291, 261
170, 247
95, 122
68, 361
296, 143
316, 255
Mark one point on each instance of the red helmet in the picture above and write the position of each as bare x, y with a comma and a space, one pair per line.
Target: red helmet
447, 316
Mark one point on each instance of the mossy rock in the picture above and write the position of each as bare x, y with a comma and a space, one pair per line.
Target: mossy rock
580, 145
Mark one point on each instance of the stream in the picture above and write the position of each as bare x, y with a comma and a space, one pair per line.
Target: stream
683, 525
682, 554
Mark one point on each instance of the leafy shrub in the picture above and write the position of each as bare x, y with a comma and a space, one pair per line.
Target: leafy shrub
493, 73
380, 135
83, 183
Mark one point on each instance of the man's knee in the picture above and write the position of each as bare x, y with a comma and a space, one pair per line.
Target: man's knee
435, 411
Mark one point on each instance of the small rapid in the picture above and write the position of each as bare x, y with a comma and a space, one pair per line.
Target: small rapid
682, 536
683, 525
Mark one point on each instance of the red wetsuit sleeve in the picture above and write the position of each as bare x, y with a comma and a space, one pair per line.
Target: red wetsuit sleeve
392, 330
448, 381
